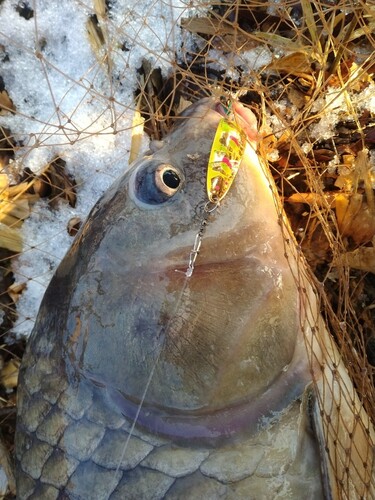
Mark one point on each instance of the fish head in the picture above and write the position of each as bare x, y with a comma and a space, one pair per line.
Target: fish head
190, 357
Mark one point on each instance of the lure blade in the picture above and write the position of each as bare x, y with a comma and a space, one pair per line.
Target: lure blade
226, 155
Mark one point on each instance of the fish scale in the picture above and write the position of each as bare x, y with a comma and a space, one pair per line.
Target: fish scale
150, 467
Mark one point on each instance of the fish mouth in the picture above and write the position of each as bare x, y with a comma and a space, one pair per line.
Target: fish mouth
218, 426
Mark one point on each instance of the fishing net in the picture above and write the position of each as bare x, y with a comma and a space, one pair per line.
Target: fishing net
84, 84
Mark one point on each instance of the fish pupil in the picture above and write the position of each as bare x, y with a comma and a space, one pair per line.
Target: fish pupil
171, 179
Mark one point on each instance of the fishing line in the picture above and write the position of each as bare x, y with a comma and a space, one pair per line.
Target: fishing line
149, 379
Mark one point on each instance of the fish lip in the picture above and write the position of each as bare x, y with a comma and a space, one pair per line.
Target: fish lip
214, 427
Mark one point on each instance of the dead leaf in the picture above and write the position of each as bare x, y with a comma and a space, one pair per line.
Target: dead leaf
362, 258
9, 374
6, 103
225, 35
15, 291
73, 225
55, 183
297, 64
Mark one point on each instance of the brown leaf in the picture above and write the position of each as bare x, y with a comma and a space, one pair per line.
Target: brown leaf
297, 64
54, 183
225, 35
9, 374
15, 291
6, 103
73, 225
208, 26
362, 258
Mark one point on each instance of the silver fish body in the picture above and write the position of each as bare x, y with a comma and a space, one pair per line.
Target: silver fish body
139, 382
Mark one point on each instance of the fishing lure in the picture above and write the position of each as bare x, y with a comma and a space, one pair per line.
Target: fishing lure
226, 155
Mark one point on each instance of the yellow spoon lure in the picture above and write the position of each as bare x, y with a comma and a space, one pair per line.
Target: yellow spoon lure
226, 154
227, 151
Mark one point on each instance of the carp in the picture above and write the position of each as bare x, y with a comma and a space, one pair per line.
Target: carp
179, 350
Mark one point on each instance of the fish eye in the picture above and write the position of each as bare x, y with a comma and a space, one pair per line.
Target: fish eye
167, 178
171, 179
157, 183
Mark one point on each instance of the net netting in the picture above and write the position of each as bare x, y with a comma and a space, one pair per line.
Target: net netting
82, 81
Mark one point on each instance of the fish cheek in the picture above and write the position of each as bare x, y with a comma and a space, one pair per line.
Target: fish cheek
232, 336
116, 349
